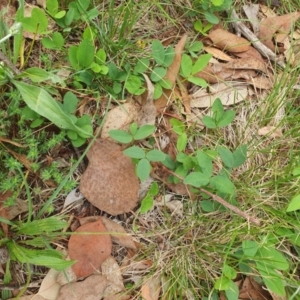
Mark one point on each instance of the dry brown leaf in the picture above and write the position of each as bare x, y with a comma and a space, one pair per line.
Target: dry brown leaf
72, 197
118, 234
175, 206
251, 12
217, 53
248, 291
90, 247
267, 11
111, 270
270, 131
228, 41
92, 288
49, 288
120, 117
5, 140
151, 288
247, 64
251, 53
4, 210
110, 182
171, 75
269, 27
261, 82
147, 114
228, 94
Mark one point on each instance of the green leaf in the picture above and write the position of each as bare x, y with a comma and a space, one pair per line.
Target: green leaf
211, 18
158, 52
101, 56
222, 184
196, 179
120, 136
37, 23
294, 204
42, 103
70, 15
250, 248
133, 128
232, 293
196, 46
85, 53
70, 103
217, 107
52, 7
144, 132
143, 169
181, 142
78, 142
146, 204
36, 123
56, 41
72, 55
37, 74
198, 81
141, 66
158, 74
169, 162
229, 272
239, 156
177, 126
296, 171
226, 118
209, 122
155, 155
201, 63
153, 190
198, 26
205, 163
134, 85
158, 91
166, 84
186, 66
226, 156
169, 56
60, 14
272, 259
222, 284
217, 2
135, 152
72, 135
38, 227
208, 205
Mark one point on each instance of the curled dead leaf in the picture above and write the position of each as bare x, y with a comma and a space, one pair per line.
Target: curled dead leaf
270, 131
90, 246
110, 182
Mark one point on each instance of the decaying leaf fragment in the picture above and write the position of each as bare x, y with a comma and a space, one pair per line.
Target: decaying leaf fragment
90, 246
110, 182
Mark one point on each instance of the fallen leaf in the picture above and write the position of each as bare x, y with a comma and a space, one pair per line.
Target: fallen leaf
147, 114
92, 288
172, 72
250, 53
110, 182
111, 270
66, 276
269, 26
248, 291
217, 53
175, 206
72, 197
5, 140
270, 131
151, 288
120, 117
228, 41
251, 12
49, 288
90, 246
4, 210
118, 234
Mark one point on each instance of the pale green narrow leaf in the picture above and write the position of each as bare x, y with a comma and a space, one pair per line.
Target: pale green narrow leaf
294, 204
146, 204
186, 66
181, 142
85, 53
42, 103
201, 63
158, 52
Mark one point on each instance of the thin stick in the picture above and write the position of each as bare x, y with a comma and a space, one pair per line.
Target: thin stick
9, 63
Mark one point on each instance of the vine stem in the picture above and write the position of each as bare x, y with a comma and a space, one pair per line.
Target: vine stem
223, 202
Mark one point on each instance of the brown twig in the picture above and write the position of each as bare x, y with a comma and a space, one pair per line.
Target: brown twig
9, 63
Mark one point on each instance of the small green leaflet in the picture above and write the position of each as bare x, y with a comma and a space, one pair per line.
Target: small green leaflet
143, 169
120, 136
294, 204
146, 204
222, 184
196, 179
134, 152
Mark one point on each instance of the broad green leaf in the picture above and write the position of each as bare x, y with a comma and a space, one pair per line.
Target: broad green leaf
272, 259
143, 169
186, 66
70, 103
169, 162
296, 171
232, 293
180, 157
135, 152
36, 123
177, 126
37, 23
250, 248
52, 7
141, 66
70, 15
38, 227
85, 53
158, 52
188, 163
169, 56
181, 142
196, 179
222, 284
226, 118
144, 131
37, 74
205, 163
181, 171
166, 84
146, 204
201, 63
211, 18
134, 85
217, 2
208, 205
198, 81
158, 73
56, 41
158, 91
72, 135
78, 142
72, 55
217, 106
42, 103
120, 136
155, 155
101, 56
229, 272
239, 156
294, 204
222, 184
198, 26
196, 46
226, 156
60, 14
153, 190
209, 122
